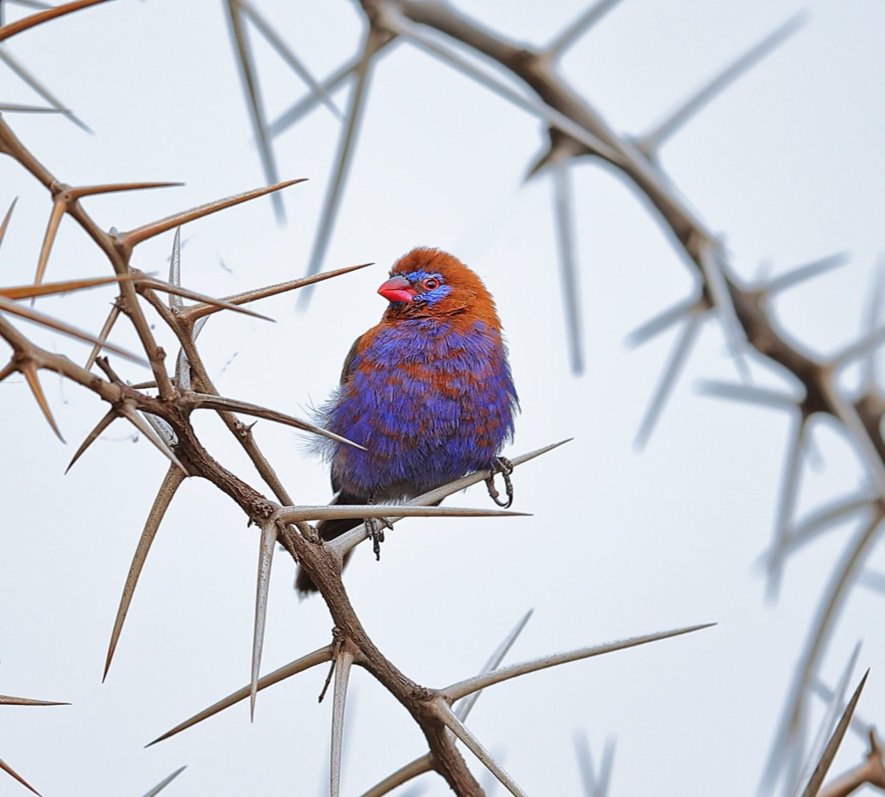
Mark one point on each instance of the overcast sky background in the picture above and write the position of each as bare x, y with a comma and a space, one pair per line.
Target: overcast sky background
786, 165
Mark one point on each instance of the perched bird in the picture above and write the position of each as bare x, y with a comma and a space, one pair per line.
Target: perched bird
427, 391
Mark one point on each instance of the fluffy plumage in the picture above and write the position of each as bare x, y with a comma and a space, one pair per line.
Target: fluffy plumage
428, 390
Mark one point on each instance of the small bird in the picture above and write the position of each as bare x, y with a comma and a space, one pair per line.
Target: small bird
427, 391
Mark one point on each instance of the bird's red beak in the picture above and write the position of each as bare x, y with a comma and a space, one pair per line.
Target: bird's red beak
397, 289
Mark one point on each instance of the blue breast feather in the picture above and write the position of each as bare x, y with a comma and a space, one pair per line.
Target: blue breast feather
429, 403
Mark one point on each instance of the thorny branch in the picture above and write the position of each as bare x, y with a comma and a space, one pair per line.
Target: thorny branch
161, 410
577, 129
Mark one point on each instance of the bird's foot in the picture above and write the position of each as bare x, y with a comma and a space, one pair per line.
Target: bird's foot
505, 467
375, 529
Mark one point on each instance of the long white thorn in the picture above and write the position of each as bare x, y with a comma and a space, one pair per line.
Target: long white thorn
786, 505
760, 396
285, 52
266, 549
685, 309
873, 316
678, 356
713, 268
458, 728
342, 675
346, 147
652, 140
803, 273
579, 27
563, 209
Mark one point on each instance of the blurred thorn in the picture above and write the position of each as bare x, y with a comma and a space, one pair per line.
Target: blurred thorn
760, 396
868, 343
859, 725
823, 765
823, 520
12, 28
31, 4
828, 722
800, 274
56, 105
251, 88
832, 513
320, 656
171, 482
872, 580
605, 767
403, 775
346, 146
134, 237
39, 318
448, 718
869, 374
404, 27
106, 420
6, 217
295, 63
298, 110
664, 320
343, 662
578, 28
560, 148
679, 354
563, 209
786, 747
164, 783
465, 706
266, 546
585, 762
651, 141
6, 107
713, 268
100, 342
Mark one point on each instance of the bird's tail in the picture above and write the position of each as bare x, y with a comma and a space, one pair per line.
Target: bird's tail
329, 530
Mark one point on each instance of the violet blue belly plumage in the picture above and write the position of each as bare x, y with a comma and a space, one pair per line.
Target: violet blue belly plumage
427, 391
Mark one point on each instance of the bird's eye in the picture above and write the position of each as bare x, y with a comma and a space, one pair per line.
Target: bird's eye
430, 284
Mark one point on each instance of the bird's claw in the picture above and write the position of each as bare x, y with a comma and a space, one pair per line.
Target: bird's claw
505, 467
375, 529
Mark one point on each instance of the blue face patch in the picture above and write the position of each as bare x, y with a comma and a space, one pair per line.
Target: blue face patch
430, 297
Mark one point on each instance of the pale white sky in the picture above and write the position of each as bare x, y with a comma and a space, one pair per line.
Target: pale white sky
785, 165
